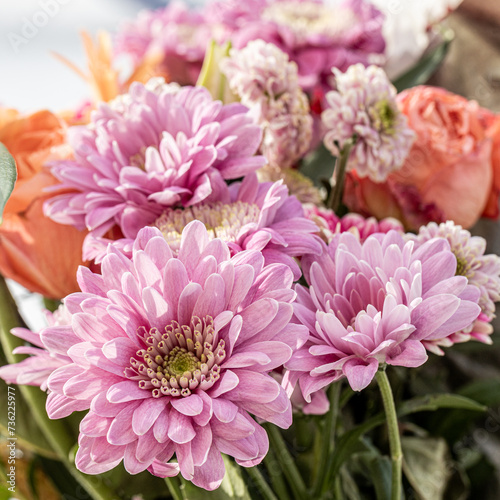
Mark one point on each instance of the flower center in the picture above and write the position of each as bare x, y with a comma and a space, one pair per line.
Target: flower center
384, 117
221, 220
463, 267
178, 361
309, 18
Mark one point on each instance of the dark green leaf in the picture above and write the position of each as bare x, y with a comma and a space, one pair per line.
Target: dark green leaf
348, 441
424, 69
380, 472
8, 176
318, 165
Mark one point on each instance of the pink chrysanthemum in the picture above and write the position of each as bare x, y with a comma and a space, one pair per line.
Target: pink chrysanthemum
255, 216
264, 79
176, 35
35, 369
376, 302
260, 216
482, 271
314, 35
172, 355
364, 106
330, 224
158, 146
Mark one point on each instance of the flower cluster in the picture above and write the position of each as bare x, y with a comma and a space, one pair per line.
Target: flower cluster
315, 35
233, 272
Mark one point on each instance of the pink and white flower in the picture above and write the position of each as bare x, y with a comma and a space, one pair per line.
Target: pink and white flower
266, 81
172, 356
373, 303
363, 107
159, 146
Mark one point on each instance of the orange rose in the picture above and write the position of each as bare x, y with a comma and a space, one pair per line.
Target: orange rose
448, 173
38, 253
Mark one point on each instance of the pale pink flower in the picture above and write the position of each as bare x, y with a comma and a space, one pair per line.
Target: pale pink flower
172, 355
158, 146
266, 81
482, 271
330, 224
314, 35
373, 303
364, 107
35, 369
177, 35
260, 216
255, 216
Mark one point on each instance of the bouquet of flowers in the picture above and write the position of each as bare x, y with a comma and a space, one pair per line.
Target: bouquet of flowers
256, 264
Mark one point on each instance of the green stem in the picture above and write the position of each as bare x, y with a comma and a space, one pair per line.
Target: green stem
393, 430
276, 475
328, 438
287, 463
174, 488
261, 484
54, 430
336, 194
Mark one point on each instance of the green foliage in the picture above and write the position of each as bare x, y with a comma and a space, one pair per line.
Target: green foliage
425, 68
8, 176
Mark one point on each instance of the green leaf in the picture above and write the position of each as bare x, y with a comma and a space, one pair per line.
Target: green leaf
211, 77
425, 68
318, 165
232, 487
349, 441
8, 176
380, 472
426, 466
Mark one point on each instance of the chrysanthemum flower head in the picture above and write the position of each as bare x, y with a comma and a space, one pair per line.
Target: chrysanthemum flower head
260, 216
373, 303
156, 147
255, 216
171, 355
265, 80
482, 271
315, 35
364, 107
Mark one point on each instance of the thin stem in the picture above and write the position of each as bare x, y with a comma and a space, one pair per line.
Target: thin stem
286, 462
264, 489
174, 488
336, 194
54, 430
393, 430
328, 437
276, 475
